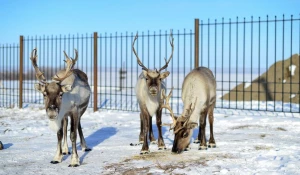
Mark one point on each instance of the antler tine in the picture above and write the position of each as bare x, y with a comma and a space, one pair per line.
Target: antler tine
70, 64
167, 106
171, 56
190, 111
39, 74
138, 59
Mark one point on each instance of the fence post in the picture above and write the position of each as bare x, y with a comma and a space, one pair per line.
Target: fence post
95, 71
21, 74
196, 56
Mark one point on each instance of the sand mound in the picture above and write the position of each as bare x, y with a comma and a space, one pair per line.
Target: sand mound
279, 83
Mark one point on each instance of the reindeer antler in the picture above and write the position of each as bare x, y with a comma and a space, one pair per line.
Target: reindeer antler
70, 64
39, 74
171, 56
167, 106
137, 57
190, 111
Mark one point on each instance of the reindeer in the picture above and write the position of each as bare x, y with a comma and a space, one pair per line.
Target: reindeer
199, 98
148, 91
66, 95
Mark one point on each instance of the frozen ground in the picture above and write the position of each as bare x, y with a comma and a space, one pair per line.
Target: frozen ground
247, 143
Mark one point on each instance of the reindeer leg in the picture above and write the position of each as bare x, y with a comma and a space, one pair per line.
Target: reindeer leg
58, 156
65, 149
197, 140
141, 137
203, 116
161, 144
151, 136
211, 143
145, 116
84, 147
73, 137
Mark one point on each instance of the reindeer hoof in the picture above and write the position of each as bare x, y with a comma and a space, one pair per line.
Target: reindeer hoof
54, 162
87, 149
66, 153
202, 148
196, 141
187, 149
212, 145
144, 152
162, 148
153, 142
76, 165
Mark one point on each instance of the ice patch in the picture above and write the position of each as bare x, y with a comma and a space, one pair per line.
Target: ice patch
292, 69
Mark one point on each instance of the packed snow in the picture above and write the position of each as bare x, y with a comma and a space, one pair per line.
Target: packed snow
248, 142
292, 69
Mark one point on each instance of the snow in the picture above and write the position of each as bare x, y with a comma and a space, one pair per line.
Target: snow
292, 69
248, 142
284, 81
293, 95
247, 84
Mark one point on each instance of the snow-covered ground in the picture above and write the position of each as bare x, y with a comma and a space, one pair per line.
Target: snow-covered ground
248, 142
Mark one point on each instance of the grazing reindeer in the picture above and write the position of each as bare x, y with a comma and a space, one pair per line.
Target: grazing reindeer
148, 91
199, 98
67, 95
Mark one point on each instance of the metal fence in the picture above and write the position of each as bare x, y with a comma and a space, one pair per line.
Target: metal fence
9, 75
241, 53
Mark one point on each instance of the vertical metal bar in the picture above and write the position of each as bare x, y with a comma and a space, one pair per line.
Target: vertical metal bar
251, 71
291, 63
267, 57
95, 70
282, 75
259, 63
275, 83
236, 57
196, 50
229, 56
21, 72
208, 35
222, 59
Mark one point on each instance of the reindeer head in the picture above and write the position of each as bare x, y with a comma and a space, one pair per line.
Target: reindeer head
183, 129
52, 91
154, 78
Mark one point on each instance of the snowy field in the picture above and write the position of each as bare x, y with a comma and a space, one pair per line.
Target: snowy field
248, 142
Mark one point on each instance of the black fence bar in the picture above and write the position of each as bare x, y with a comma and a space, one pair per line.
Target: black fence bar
255, 62
241, 53
9, 75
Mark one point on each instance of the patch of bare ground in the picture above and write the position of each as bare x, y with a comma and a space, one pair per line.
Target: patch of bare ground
262, 147
245, 126
281, 129
164, 162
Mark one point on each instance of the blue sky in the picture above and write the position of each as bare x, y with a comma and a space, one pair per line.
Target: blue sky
37, 17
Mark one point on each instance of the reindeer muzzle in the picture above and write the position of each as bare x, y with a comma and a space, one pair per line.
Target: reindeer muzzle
52, 112
153, 91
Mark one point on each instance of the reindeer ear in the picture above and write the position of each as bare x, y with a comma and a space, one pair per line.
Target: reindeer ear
164, 75
192, 125
66, 88
39, 87
145, 73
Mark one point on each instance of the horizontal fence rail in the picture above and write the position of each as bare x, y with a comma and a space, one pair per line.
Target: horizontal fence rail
51, 60
9, 75
118, 70
242, 54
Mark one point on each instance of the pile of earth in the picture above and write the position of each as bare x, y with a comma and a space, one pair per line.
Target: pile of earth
279, 83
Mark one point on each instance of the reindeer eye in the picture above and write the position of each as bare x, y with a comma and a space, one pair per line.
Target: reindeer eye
185, 134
